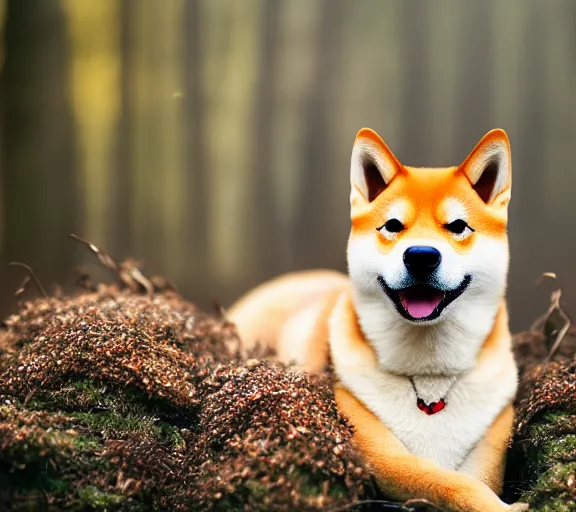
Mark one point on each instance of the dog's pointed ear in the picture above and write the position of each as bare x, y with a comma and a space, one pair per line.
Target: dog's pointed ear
489, 166
373, 165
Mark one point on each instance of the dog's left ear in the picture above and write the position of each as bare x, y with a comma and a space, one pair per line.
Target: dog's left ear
489, 166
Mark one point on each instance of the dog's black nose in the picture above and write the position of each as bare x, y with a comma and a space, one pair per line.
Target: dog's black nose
421, 260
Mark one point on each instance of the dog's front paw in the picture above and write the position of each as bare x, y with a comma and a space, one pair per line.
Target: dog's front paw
519, 507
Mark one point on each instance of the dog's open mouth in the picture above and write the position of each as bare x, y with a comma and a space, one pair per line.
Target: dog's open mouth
422, 303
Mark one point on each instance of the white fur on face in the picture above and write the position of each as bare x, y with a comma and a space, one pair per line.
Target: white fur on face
455, 210
448, 344
396, 210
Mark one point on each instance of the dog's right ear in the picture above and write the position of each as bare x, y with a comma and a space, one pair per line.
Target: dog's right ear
373, 165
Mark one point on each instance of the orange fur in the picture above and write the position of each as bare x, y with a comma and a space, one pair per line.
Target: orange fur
489, 456
263, 312
344, 323
304, 339
499, 333
429, 187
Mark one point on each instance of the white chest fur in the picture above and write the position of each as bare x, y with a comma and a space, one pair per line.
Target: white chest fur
474, 400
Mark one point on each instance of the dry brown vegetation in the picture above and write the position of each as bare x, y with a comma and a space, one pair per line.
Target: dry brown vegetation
124, 401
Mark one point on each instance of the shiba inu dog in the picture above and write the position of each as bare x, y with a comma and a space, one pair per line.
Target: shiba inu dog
418, 332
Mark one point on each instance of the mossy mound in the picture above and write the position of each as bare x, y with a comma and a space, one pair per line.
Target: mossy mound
119, 401
542, 462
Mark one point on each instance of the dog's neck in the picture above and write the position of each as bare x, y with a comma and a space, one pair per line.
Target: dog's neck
450, 347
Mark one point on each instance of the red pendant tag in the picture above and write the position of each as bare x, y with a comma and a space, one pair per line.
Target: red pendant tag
432, 408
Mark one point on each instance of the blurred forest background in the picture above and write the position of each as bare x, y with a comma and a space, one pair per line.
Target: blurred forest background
211, 138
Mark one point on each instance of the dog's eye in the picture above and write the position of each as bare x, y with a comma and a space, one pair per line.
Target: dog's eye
458, 227
392, 226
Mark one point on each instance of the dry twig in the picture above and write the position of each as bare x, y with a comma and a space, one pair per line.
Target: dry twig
548, 323
31, 276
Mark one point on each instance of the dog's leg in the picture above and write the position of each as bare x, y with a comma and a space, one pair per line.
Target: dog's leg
487, 461
403, 475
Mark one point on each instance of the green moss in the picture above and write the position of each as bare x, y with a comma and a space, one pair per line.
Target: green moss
337, 490
171, 435
57, 486
85, 443
552, 491
558, 450
228, 505
256, 488
89, 390
37, 447
116, 415
92, 497
113, 424
310, 488
547, 458
88, 395
312, 485
6, 411
552, 424
78, 394
551, 440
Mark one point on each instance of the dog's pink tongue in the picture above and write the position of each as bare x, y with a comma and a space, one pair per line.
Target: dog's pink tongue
420, 301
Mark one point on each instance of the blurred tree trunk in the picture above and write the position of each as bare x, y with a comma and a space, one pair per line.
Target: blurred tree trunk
415, 79
443, 67
263, 163
472, 90
119, 215
315, 219
38, 140
294, 68
559, 118
95, 69
2, 186
195, 237
362, 96
155, 60
532, 123
231, 72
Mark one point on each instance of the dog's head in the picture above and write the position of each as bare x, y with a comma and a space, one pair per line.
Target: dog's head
429, 244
